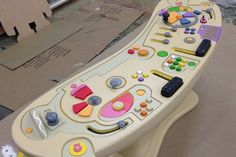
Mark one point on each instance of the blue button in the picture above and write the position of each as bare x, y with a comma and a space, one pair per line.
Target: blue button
121, 124
197, 12
187, 29
184, 21
52, 118
94, 100
115, 82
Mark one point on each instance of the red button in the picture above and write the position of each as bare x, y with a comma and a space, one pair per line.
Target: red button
83, 93
131, 51
79, 107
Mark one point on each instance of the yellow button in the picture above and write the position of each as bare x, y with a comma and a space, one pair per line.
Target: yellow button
20, 154
136, 47
141, 92
182, 64
118, 106
184, 60
78, 149
145, 75
28, 130
186, 9
134, 76
143, 52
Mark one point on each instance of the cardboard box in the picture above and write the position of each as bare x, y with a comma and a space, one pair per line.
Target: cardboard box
78, 34
23, 18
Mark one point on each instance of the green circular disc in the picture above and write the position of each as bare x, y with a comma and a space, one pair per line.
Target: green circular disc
172, 67
162, 53
178, 69
191, 64
176, 63
179, 59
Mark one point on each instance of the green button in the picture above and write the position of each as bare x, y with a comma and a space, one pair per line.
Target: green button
162, 53
172, 67
176, 9
176, 63
191, 64
179, 59
178, 69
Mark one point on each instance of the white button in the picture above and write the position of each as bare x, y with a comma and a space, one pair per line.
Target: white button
139, 72
173, 56
149, 109
166, 64
137, 109
149, 100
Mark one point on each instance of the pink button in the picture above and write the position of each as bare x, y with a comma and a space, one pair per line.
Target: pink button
77, 147
81, 91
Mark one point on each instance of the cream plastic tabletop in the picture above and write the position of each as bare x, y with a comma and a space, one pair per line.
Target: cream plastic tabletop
103, 109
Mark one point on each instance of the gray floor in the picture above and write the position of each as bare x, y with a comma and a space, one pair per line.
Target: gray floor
228, 8
4, 112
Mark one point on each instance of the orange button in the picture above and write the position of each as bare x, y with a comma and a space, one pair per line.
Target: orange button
87, 111
28, 130
174, 14
144, 113
172, 20
143, 105
136, 47
178, 17
170, 61
143, 52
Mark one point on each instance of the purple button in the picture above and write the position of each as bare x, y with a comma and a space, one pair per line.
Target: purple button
186, 32
193, 29
140, 79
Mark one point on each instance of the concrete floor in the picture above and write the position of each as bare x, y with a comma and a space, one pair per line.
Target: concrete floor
4, 112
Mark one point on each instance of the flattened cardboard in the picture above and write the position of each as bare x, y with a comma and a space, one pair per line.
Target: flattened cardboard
37, 75
70, 21
146, 5
27, 49
18, 14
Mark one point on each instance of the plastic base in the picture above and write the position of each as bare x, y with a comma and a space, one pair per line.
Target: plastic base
150, 144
